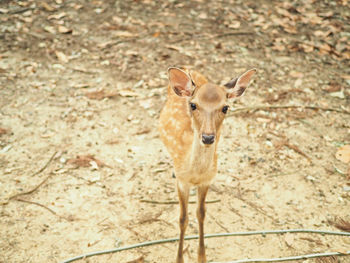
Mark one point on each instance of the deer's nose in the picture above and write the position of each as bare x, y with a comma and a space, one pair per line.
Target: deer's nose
208, 138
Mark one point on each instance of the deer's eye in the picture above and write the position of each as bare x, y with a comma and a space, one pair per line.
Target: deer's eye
193, 106
224, 109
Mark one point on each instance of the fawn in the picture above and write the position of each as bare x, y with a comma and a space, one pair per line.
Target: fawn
189, 126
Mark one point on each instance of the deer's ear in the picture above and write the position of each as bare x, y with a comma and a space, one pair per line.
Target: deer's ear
237, 86
180, 81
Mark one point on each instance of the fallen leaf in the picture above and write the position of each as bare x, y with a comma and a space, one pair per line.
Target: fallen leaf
311, 18
57, 16
203, 15
156, 34
4, 11
322, 34
50, 29
325, 48
3, 131
234, 24
342, 224
343, 154
123, 34
146, 104
296, 74
332, 87
307, 47
298, 82
128, 93
64, 30
86, 161
47, 7
105, 44
61, 56
327, 14
338, 94
100, 94
138, 260
144, 131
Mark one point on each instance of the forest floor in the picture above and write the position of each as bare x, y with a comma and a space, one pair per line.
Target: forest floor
81, 87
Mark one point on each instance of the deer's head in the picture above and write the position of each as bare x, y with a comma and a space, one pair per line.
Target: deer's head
207, 103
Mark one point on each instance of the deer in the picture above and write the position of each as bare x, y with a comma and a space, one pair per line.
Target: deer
189, 126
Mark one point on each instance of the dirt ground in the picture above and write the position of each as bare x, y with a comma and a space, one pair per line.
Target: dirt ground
82, 84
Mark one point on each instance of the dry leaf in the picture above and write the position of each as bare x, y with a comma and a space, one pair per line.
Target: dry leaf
3, 131
105, 44
4, 11
64, 30
50, 29
327, 14
307, 47
322, 34
156, 34
338, 94
311, 18
346, 77
86, 161
124, 34
341, 224
128, 93
47, 7
325, 47
279, 47
138, 260
296, 74
57, 16
234, 24
298, 82
343, 154
146, 104
290, 29
100, 94
61, 56
332, 87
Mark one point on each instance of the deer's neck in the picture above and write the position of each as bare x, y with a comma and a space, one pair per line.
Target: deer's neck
203, 158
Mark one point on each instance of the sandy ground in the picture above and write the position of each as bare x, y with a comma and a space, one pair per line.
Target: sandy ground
82, 84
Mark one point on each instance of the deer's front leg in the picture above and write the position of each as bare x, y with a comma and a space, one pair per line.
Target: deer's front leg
183, 192
202, 193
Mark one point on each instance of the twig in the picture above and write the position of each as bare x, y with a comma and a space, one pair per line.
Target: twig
20, 10
30, 191
213, 36
297, 150
45, 166
267, 107
82, 70
36, 173
338, 170
155, 242
233, 34
218, 223
251, 204
43, 206
285, 142
175, 202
